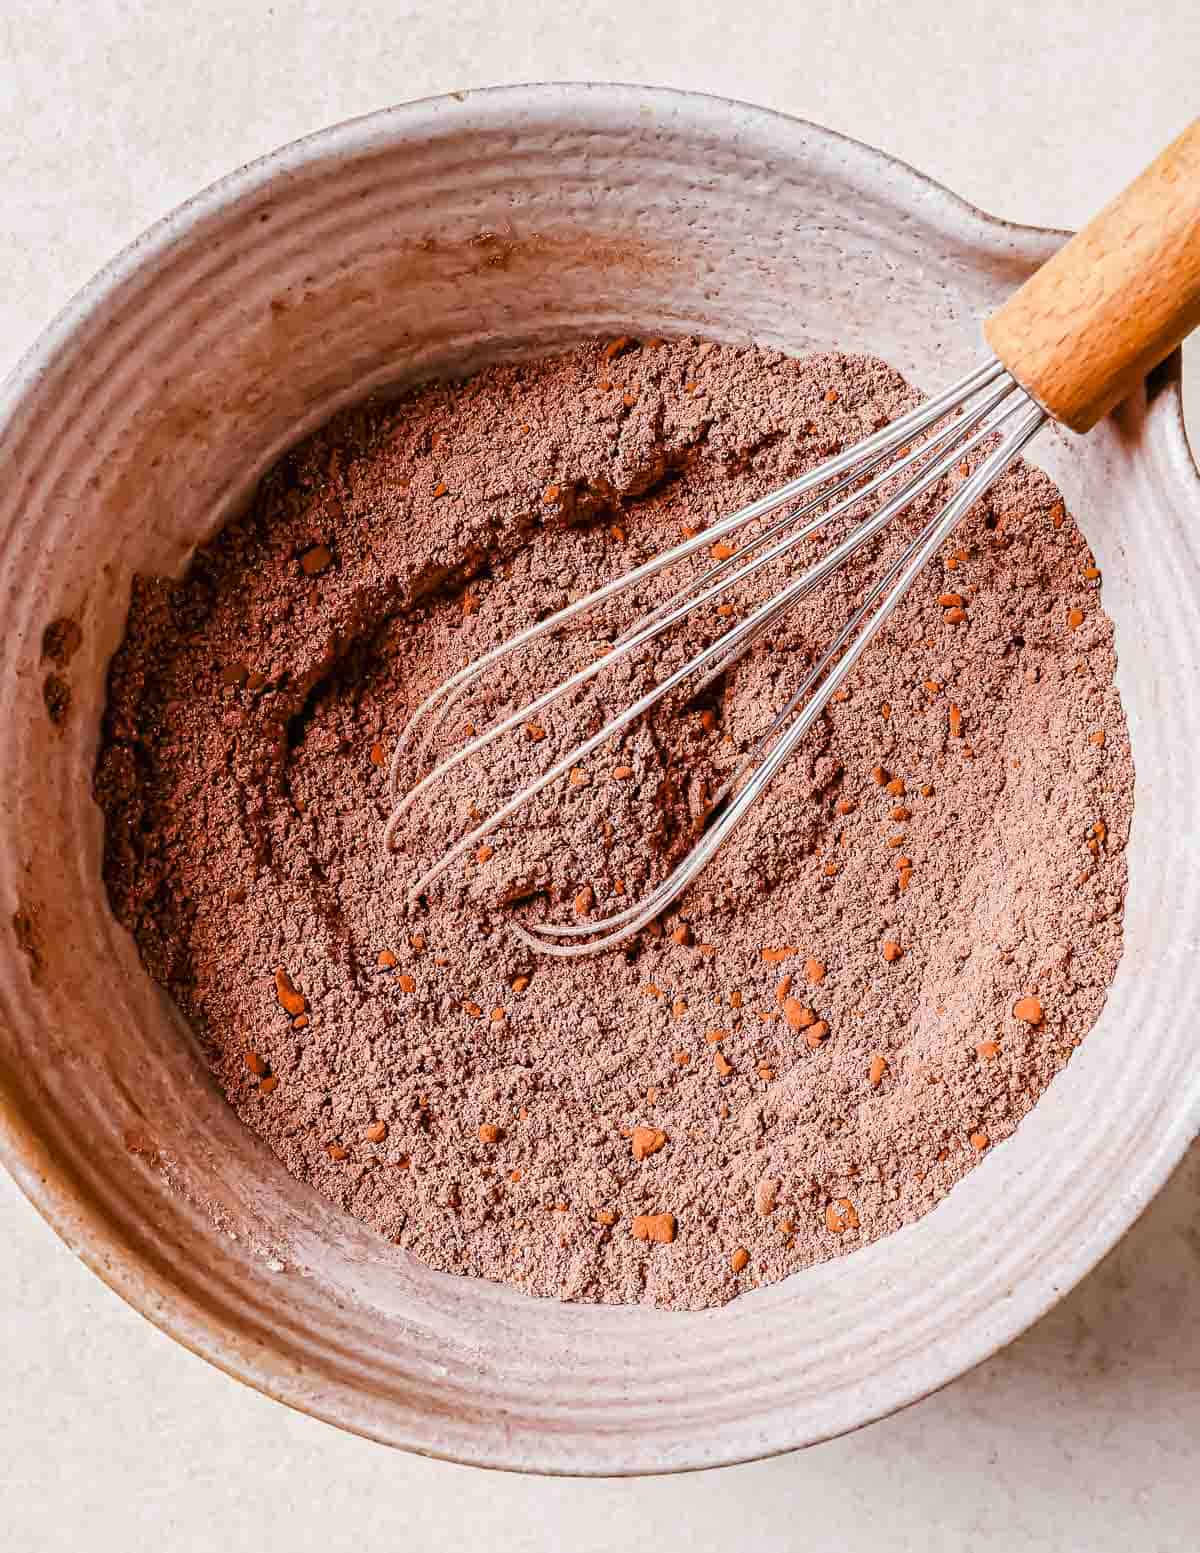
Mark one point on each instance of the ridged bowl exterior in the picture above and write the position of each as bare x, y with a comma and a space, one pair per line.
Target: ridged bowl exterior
433, 237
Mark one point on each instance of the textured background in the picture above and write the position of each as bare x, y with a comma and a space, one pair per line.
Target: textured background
1080, 1436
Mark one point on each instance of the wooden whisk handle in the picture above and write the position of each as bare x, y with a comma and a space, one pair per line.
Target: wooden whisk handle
1082, 333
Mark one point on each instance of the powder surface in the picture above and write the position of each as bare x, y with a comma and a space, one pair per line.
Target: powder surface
867, 990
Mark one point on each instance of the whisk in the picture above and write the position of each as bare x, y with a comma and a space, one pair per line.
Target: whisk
1071, 344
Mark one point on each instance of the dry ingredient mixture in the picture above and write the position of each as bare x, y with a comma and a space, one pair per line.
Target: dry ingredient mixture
862, 996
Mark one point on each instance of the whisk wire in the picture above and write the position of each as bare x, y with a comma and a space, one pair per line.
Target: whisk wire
709, 581
887, 439
661, 620
847, 476
729, 646
829, 672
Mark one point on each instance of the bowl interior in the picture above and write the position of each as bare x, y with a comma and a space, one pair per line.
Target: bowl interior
434, 238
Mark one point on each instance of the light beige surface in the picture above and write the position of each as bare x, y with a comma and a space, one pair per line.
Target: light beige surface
1079, 1436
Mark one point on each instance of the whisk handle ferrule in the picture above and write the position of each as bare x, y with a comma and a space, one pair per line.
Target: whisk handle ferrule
1083, 331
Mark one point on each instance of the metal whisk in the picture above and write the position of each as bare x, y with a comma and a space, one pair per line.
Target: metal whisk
1067, 347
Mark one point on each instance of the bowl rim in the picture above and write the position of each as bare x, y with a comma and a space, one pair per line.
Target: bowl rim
390, 122
49, 1189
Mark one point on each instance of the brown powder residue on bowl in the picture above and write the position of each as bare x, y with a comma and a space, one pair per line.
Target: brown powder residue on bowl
856, 1004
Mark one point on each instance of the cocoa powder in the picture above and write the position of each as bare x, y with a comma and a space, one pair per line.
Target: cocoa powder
864, 994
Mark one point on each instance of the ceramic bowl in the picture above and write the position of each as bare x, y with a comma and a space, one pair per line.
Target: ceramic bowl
432, 238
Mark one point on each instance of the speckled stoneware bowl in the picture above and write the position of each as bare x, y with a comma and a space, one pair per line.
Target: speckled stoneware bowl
433, 238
